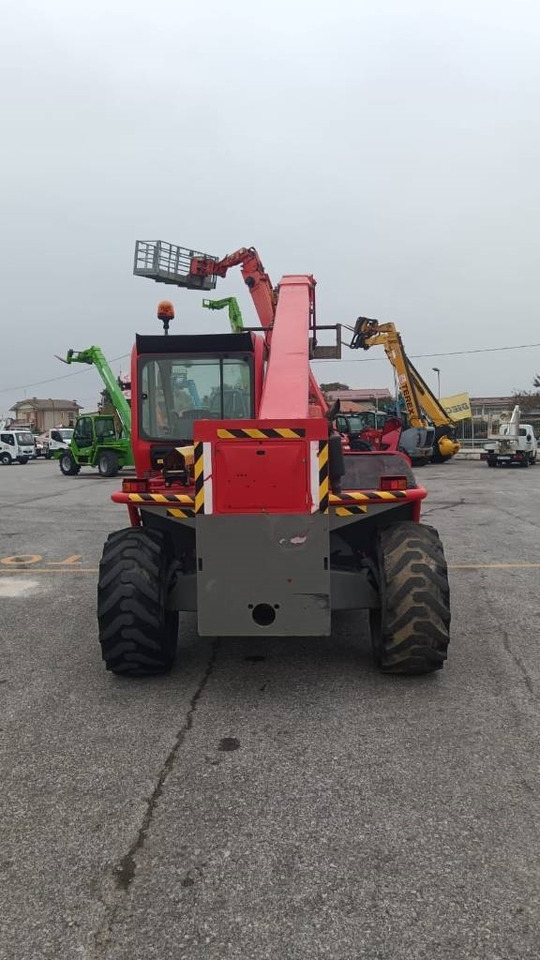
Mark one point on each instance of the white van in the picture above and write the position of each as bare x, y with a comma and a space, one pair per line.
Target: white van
16, 445
56, 441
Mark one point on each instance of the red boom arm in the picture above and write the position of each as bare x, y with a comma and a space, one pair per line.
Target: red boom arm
265, 300
254, 274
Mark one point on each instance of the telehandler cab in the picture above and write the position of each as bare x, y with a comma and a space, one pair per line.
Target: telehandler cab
245, 507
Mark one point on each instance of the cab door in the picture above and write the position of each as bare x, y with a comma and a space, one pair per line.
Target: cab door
83, 439
7, 448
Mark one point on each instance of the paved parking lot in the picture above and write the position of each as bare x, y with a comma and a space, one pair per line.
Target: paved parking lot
276, 800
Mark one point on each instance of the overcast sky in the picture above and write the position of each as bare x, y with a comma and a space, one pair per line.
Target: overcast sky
390, 148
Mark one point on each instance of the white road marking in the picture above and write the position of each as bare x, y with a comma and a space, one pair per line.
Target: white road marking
12, 587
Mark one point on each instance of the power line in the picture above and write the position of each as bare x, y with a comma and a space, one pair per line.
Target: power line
450, 353
65, 376
414, 356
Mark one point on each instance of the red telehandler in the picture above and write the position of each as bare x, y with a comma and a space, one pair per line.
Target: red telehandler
245, 507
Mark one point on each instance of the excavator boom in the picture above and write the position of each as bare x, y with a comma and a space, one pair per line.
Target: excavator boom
369, 333
431, 406
420, 402
94, 356
235, 314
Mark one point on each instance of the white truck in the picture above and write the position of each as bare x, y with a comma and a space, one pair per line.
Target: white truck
56, 441
514, 443
16, 446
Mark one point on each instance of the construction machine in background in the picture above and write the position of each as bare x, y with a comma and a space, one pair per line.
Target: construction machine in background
259, 521
424, 410
231, 304
366, 430
370, 430
362, 430
98, 440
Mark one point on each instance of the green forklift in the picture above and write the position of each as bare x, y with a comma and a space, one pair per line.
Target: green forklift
99, 440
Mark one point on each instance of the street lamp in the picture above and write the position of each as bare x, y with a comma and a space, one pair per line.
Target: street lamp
438, 372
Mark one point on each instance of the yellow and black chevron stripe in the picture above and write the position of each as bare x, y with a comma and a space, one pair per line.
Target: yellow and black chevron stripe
367, 496
254, 433
160, 498
324, 488
198, 470
350, 511
181, 514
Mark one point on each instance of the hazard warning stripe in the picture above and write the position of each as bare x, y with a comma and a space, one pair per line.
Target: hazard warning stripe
160, 498
350, 511
198, 470
368, 496
323, 476
254, 433
181, 514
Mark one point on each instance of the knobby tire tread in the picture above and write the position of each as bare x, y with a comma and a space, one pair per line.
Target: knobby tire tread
415, 616
137, 634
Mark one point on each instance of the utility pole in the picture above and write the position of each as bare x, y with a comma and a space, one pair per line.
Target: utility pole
438, 372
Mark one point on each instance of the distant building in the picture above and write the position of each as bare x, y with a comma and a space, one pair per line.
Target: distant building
356, 401
44, 414
485, 408
487, 414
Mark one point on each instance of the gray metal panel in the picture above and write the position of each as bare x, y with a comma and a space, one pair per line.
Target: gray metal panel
280, 561
353, 590
183, 596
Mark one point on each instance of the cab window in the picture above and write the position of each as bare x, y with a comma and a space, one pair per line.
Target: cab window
84, 433
105, 430
175, 391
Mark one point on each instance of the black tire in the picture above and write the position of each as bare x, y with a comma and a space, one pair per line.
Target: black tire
525, 462
23, 459
108, 463
5, 459
68, 466
138, 635
492, 463
411, 632
47, 454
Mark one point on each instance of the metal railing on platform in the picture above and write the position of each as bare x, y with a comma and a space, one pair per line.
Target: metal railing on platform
169, 263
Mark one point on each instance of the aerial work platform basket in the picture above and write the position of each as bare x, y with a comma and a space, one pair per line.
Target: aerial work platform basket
169, 263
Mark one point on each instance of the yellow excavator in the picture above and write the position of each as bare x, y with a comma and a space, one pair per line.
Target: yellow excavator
421, 404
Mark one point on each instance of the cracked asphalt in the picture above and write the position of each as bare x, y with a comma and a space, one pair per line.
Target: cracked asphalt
276, 800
